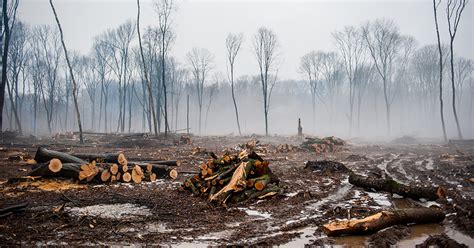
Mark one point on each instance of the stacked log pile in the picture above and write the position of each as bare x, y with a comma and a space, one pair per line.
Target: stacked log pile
233, 179
100, 168
323, 145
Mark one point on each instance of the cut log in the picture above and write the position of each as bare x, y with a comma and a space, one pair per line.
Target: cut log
55, 165
161, 171
383, 220
250, 194
262, 182
114, 169
388, 185
152, 177
126, 177
44, 155
137, 174
105, 176
237, 183
68, 170
122, 160
101, 158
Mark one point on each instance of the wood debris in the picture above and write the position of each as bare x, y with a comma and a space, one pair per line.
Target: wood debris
100, 168
323, 145
233, 178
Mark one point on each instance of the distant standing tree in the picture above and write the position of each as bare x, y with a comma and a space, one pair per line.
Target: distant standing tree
351, 46
233, 43
454, 11
201, 61
74, 85
310, 66
440, 50
7, 13
265, 47
383, 41
164, 9
145, 73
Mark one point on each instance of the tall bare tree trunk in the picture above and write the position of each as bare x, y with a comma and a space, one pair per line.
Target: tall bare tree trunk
74, 85
435, 6
6, 40
453, 88
145, 73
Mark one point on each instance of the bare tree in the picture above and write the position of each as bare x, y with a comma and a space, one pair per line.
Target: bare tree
351, 46
201, 61
233, 43
454, 9
8, 20
463, 68
145, 72
17, 59
265, 48
311, 67
164, 9
435, 11
383, 41
74, 92
212, 90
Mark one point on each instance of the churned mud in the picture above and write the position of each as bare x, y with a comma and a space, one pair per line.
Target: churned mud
62, 212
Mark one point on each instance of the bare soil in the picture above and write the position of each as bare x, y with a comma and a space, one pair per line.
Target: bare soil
161, 213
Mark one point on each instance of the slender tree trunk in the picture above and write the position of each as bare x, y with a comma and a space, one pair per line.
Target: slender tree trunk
163, 77
6, 42
74, 85
187, 114
145, 73
233, 97
387, 104
440, 71
453, 88
14, 110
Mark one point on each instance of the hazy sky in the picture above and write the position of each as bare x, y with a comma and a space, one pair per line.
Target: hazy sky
301, 26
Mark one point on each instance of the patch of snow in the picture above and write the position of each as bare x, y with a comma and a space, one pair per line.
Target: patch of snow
111, 211
255, 213
380, 199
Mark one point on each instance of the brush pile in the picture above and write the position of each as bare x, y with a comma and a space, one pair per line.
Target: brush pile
233, 178
100, 168
323, 145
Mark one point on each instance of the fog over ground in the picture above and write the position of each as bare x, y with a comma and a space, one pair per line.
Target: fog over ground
300, 27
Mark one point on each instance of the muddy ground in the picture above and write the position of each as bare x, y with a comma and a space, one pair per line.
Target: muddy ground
160, 213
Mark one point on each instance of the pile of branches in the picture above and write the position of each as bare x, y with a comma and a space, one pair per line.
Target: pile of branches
233, 179
322, 145
99, 168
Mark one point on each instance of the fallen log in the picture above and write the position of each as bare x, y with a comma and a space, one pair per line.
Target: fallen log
45, 155
116, 158
392, 186
66, 170
383, 220
12, 209
160, 171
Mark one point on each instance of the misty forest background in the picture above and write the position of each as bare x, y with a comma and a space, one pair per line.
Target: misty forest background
379, 82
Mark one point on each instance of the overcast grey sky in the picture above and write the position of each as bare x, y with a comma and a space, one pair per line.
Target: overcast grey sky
301, 26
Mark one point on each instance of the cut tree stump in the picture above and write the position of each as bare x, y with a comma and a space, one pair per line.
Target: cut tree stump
392, 186
44, 155
383, 220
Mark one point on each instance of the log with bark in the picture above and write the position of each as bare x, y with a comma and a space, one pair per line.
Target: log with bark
12, 209
392, 186
383, 220
45, 155
233, 178
117, 158
55, 168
